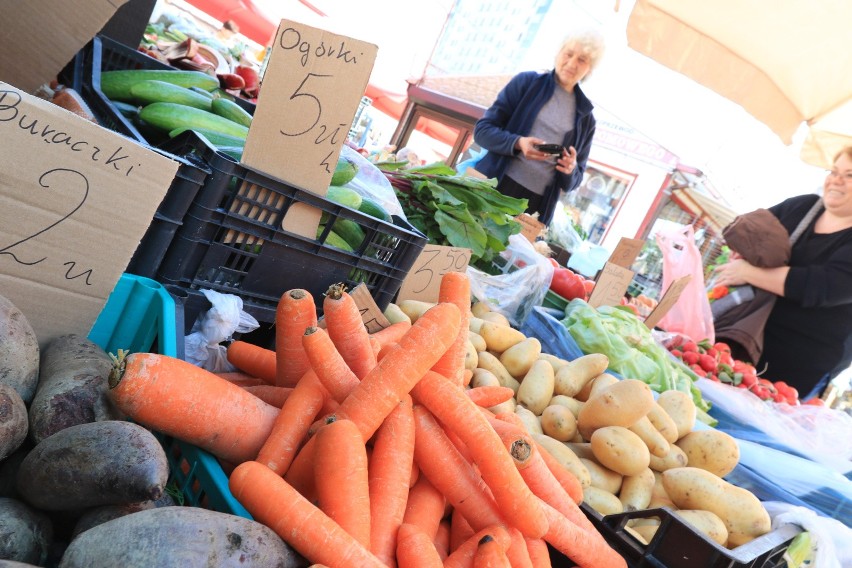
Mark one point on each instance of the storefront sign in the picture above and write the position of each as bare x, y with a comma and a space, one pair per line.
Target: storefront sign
424, 279
631, 143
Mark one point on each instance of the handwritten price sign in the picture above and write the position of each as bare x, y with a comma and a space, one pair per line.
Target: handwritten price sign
424, 279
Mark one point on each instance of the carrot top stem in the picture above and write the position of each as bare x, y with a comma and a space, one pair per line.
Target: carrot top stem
118, 365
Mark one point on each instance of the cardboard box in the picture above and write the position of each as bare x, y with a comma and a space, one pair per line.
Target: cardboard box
75, 200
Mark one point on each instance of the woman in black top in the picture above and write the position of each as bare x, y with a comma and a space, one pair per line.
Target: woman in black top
808, 337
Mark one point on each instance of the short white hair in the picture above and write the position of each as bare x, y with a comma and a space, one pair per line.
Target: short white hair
591, 42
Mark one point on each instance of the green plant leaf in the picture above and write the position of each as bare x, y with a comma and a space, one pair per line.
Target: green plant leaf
460, 229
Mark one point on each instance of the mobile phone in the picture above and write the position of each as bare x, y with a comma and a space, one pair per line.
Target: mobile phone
549, 148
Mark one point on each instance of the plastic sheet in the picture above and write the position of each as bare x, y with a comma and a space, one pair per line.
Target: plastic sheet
370, 182
225, 317
829, 542
562, 232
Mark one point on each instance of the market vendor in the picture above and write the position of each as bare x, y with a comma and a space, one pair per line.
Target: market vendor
536, 109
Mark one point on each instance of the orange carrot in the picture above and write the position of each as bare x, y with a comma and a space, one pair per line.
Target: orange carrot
184, 401
489, 554
455, 289
252, 359
425, 507
391, 334
273, 502
241, 379
340, 474
414, 549
325, 360
539, 554
442, 539
389, 473
448, 471
270, 394
458, 413
488, 396
460, 530
415, 475
296, 312
347, 331
298, 412
517, 553
467, 375
586, 549
462, 557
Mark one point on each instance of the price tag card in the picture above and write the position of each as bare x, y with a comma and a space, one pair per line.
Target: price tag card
611, 285
424, 279
312, 87
626, 251
75, 200
668, 300
531, 227
371, 315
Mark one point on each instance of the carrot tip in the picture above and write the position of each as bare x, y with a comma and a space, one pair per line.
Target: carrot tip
335, 291
119, 362
311, 330
297, 293
486, 538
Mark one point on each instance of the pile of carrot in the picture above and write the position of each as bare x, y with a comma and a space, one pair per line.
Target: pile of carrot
380, 454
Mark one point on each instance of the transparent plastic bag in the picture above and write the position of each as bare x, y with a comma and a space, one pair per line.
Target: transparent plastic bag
516, 292
828, 542
561, 231
691, 314
370, 182
203, 346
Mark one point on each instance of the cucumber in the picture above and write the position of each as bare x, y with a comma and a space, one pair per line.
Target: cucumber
126, 109
201, 91
168, 116
334, 240
154, 91
231, 111
350, 231
234, 152
117, 84
373, 209
344, 196
344, 172
215, 138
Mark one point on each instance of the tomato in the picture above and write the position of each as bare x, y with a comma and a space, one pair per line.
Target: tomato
567, 284
553, 263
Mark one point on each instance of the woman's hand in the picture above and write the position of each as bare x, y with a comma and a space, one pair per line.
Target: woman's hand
733, 273
527, 146
567, 161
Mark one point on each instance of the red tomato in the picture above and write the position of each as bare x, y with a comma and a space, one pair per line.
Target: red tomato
567, 284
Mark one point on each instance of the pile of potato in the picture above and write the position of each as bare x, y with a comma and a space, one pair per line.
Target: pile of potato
629, 451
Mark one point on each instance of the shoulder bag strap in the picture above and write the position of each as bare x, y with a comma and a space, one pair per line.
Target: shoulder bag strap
806, 220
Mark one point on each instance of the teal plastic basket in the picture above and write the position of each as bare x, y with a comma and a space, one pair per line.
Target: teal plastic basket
139, 316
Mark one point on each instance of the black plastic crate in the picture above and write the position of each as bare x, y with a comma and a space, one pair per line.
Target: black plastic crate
231, 241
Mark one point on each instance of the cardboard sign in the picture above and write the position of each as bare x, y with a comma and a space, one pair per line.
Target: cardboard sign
531, 227
626, 251
312, 87
371, 315
424, 279
41, 36
611, 285
668, 300
75, 200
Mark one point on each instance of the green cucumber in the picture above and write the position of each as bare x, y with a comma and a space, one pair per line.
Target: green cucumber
350, 231
154, 91
234, 152
168, 116
344, 196
215, 138
373, 209
201, 91
231, 111
117, 84
334, 240
344, 172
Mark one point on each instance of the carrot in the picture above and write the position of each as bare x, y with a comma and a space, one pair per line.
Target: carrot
586, 549
270, 394
347, 331
273, 502
442, 539
383, 387
340, 473
458, 413
415, 475
391, 334
389, 473
325, 360
467, 375
460, 530
488, 396
296, 311
425, 507
455, 289
186, 402
448, 471
252, 359
414, 549
489, 554
462, 557
241, 379
292, 424
517, 553
539, 554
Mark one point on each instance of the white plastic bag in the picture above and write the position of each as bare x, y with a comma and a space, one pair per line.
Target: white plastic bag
561, 231
514, 294
226, 317
829, 539
370, 182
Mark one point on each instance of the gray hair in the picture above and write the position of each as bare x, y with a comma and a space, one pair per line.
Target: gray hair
591, 42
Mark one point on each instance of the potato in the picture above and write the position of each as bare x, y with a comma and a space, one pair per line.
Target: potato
13, 421
655, 441
664, 423
620, 404
598, 384
477, 341
713, 450
520, 357
558, 422
530, 420
471, 356
499, 337
19, 354
474, 325
566, 457
675, 458
582, 449
602, 477
571, 378
571, 404
536, 388
637, 490
492, 364
659, 497
601, 501
26, 533
681, 408
505, 407
620, 450
556, 362
695, 488
414, 308
706, 522
479, 308
394, 314
647, 532
496, 317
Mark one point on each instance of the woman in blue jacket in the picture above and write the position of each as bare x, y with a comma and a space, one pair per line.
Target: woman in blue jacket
542, 108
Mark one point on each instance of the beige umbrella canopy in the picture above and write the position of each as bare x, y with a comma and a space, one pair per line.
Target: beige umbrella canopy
785, 62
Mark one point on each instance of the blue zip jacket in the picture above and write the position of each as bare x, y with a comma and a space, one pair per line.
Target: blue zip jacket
512, 116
